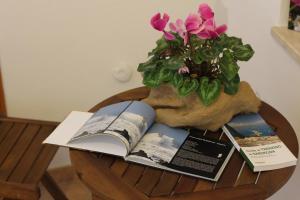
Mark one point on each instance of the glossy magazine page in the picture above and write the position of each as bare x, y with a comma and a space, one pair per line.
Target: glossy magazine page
127, 121
182, 151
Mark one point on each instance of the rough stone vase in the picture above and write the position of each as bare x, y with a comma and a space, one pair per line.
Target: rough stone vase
178, 111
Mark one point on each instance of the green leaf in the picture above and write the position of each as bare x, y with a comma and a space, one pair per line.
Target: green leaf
243, 52
228, 65
232, 87
205, 54
209, 54
188, 86
149, 65
198, 58
232, 42
177, 42
151, 78
165, 75
173, 63
177, 80
196, 41
209, 91
162, 45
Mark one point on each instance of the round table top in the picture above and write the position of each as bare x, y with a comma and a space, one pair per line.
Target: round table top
109, 177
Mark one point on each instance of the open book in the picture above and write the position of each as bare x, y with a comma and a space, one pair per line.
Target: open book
127, 129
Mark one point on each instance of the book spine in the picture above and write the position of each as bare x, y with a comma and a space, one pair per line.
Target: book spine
247, 159
237, 146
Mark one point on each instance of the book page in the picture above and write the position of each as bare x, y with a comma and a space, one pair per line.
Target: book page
126, 121
94, 129
202, 156
70, 126
132, 124
183, 151
159, 145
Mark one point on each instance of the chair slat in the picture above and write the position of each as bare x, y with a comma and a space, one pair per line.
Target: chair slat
4, 128
28, 159
18, 151
133, 174
41, 164
166, 184
9, 141
150, 178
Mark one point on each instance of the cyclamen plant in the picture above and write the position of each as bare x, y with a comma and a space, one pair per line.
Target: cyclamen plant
195, 56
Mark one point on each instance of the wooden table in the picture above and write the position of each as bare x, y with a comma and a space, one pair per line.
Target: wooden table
109, 177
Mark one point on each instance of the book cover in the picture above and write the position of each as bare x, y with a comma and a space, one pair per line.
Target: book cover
258, 143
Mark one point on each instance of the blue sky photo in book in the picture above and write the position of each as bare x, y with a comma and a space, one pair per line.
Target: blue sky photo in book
133, 123
251, 130
160, 144
127, 120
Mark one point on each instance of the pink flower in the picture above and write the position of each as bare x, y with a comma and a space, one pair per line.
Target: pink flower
160, 24
193, 23
179, 28
296, 2
205, 11
210, 30
183, 70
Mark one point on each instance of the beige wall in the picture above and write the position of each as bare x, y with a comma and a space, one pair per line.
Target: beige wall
58, 55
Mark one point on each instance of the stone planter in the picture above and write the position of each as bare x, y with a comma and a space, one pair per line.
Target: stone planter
178, 111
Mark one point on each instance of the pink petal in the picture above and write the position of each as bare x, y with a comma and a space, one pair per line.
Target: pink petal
191, 27
169, 36
192, 22
209, 23
296, 2
183, 70
213, 34
193, 18
166, 17
155, 18
158, 23
179, 23
203, 35
181, 33
205, 11
221, 29
173, 27
198, 30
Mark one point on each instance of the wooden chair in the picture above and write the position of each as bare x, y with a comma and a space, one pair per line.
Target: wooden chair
23, 158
